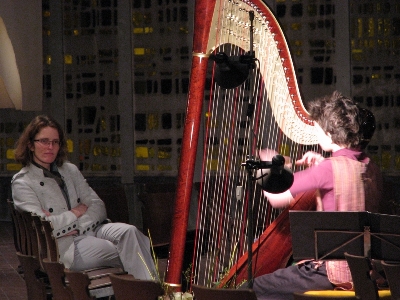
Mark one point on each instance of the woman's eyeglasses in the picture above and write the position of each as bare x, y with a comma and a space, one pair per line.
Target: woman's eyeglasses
47, 142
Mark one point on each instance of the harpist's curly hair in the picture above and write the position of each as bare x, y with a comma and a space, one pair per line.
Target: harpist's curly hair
22, 151
339, 116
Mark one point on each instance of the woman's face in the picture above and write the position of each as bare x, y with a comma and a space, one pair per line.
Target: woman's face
45, 146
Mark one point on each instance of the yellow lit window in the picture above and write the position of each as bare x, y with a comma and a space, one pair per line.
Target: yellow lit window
10, 154
70, 146
68, 59
14, 167
143, 167
142, 152
138, 51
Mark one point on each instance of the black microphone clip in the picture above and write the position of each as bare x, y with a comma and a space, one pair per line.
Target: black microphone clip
273, 176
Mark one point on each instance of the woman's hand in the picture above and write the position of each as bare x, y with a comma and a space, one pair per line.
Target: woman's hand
310, 159
267, 154
79, 210
72, 233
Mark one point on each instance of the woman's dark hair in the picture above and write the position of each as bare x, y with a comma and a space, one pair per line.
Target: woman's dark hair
340, 117
22, 151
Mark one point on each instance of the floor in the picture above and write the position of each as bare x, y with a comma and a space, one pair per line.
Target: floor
12, 285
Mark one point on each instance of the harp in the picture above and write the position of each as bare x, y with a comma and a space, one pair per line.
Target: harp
264, 111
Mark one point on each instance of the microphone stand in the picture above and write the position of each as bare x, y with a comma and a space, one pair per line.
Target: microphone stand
250, 166
250, 236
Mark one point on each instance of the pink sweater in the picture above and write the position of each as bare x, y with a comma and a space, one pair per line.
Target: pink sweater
321, 177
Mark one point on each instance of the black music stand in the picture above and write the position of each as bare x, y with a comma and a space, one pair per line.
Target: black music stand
327, 235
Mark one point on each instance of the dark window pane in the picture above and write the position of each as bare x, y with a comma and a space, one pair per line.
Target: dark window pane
317, 75
166, 120
106, 17
85, 19
89, 88
89, 115
328, 76
183, 14
281, 10
140, 122
166, 86
297, 10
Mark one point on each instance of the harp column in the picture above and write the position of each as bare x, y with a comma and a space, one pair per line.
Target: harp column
186, 169
203, 16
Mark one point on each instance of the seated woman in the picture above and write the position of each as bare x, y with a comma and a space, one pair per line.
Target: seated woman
55, 189
346, 181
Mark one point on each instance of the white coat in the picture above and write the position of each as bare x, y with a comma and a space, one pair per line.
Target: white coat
33, 192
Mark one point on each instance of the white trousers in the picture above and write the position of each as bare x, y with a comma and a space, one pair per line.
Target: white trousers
115, 245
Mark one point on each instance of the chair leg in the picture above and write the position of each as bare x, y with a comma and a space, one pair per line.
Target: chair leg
35, 285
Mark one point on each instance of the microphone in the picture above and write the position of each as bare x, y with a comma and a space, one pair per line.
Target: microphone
273, 176
231, 71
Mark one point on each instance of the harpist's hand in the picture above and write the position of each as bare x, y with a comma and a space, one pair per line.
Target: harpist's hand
267, 154
310, 159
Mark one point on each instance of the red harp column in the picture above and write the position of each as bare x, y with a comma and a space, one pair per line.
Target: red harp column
203, 16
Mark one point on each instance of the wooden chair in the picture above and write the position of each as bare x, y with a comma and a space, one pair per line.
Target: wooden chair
365, 286
126, 287
28, 254
84, 288
205, 293
97, 283
16, 231
392, 272
54, 269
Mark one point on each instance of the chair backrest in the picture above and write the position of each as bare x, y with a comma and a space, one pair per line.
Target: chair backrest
126, 287
27, 252
52, 248
31, 236
205, 293
41, 238
364, 286
16, 229
22, 243
25, 232
392, 272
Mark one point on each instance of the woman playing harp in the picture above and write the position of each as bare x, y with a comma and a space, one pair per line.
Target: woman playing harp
347, 181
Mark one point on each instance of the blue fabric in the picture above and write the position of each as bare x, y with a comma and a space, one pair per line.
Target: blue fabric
281, 284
